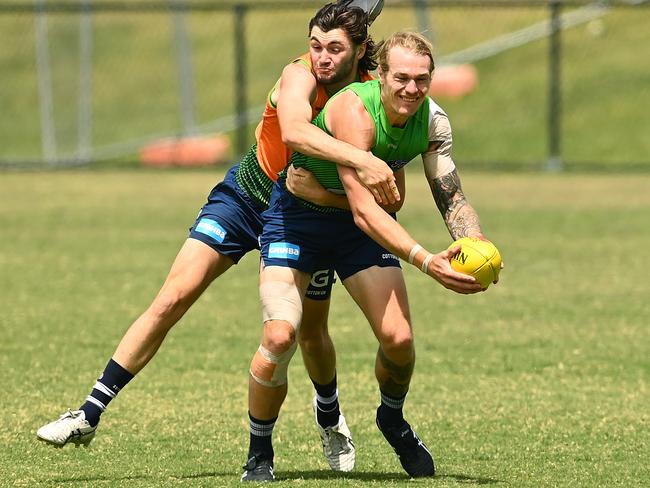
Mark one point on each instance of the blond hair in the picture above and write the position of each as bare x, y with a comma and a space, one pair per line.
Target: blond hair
411, 41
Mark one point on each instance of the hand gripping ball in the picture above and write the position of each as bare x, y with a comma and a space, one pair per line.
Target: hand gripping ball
478, 258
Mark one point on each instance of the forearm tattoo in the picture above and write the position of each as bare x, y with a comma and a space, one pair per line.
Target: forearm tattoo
459, 216
400, 376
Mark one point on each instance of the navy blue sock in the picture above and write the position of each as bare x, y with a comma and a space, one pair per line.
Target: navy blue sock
327, 403
261, 437
108, 385
390, 411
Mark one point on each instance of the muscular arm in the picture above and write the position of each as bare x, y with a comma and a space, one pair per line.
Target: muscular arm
303, 184
293, 99
459, 216
348, 120
443, 179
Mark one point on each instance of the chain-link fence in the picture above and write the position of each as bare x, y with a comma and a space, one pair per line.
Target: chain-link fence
551, 84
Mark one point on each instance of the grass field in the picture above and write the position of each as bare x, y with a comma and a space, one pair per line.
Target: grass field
541, 381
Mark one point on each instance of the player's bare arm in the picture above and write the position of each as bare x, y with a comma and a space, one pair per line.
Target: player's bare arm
443, 179
347, 119
293, 98
459, 216
303, 184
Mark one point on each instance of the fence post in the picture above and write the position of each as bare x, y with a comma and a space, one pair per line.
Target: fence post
85, 117
44, 74
554, 161
241, 104
422, 14
185, 73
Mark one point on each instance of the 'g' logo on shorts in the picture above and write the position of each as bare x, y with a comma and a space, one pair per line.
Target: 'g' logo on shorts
320, 278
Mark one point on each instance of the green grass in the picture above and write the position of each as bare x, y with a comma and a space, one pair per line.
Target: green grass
540, 381
135, 85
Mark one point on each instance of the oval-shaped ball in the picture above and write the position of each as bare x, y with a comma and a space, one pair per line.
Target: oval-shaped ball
478, 258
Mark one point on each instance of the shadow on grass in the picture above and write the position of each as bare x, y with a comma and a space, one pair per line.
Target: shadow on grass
470, 480
151, 476
375, 476
289, 475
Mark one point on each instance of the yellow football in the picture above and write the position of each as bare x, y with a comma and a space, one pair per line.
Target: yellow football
478, 258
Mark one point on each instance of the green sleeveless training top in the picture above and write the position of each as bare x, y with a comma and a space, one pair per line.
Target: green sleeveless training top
395, 145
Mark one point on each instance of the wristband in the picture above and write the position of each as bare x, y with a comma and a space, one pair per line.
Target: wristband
414, 251
425, 263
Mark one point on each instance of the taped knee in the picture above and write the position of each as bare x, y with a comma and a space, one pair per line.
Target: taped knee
270, 369
281, 301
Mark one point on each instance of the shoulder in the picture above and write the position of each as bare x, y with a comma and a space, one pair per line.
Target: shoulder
298, 68
347, 101
346, 112
297, 80
439, 125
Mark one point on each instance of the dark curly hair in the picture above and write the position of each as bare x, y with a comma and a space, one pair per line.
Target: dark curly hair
352, 20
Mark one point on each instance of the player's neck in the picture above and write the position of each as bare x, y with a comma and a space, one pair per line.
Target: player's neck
395, 119
351, 78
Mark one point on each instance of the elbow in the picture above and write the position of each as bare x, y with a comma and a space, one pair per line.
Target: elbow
287, 140
291, 138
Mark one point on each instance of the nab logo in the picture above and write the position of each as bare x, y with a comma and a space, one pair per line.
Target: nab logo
284, 250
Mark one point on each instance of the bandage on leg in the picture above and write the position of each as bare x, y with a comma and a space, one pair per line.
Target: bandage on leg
281, 301
270, 369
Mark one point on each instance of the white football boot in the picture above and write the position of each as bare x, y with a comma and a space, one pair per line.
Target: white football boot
337, 443
72, 426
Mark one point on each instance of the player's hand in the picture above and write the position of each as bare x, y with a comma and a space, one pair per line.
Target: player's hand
377, 176
440, 269
303, 184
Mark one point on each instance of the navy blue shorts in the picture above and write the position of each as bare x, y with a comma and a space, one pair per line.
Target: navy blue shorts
296, 236
231, 222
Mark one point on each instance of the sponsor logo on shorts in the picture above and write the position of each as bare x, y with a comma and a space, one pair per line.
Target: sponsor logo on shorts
320, 278
316, 293
284, 250
389, 256
211, 228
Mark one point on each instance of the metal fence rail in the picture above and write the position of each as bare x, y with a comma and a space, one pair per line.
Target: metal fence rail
94, 80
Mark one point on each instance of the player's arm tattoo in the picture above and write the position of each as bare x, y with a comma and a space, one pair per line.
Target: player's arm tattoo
400, 376
459, 216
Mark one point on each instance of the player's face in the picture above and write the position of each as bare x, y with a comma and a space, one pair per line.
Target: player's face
405, 85
333, 56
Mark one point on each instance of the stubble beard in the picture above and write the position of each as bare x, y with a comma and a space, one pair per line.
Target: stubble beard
338, 76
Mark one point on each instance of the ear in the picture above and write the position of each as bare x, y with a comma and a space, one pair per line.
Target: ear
382, 75
362, 51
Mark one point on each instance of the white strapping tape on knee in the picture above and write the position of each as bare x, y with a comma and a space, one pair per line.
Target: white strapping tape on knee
281, 301
281, 362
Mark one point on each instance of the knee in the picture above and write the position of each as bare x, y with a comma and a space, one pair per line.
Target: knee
398, 341
167, 305
313, 333
314, 342
270, 364
279, 336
